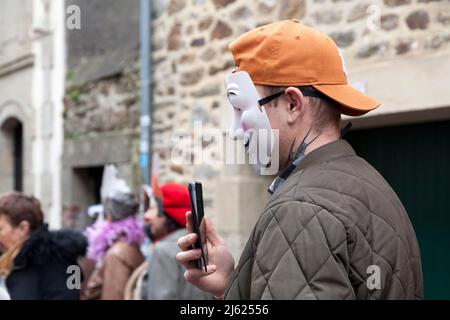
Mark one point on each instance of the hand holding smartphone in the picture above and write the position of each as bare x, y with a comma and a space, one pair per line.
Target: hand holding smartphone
198, 221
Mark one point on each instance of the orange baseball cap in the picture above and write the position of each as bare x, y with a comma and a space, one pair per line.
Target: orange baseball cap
288, 53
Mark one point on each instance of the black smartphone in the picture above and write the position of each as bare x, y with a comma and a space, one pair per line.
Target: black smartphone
196, 194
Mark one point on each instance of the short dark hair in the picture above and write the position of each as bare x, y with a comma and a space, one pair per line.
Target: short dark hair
325, 110
18, 207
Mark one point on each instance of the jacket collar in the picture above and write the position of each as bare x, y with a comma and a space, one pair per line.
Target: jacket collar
333, 150
7, 259
25, 253
330, 151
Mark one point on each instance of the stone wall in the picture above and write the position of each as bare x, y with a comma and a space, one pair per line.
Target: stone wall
191, 58
101, 126
101, 104
108, 39
110, 104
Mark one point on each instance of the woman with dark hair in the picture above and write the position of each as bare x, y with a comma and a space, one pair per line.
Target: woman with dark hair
35, 263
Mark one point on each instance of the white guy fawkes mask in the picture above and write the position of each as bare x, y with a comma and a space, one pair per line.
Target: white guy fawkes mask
251, 124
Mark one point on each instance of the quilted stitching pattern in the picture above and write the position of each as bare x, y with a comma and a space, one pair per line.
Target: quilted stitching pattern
320, 232
300, 265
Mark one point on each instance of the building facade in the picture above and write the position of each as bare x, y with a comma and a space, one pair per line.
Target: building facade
31, 91
101, 103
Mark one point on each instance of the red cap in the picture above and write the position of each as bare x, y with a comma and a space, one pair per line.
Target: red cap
175, 202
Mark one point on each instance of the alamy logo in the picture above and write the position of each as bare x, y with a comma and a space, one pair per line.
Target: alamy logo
374, 19
73, 21
374, 280
74, 278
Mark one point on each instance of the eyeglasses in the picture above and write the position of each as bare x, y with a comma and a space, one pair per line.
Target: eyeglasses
306, 91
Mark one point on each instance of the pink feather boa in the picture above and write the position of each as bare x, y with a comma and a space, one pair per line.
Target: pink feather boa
102, 235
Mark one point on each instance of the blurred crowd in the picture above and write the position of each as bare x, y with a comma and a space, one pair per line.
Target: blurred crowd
122, 255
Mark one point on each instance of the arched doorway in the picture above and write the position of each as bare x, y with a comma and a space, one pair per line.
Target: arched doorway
11, 156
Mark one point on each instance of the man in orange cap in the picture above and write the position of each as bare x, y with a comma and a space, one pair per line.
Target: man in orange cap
333, 227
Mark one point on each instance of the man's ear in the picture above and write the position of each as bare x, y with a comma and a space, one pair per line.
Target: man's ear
295, 103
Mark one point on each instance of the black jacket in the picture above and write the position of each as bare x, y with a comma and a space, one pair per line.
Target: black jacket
40, 269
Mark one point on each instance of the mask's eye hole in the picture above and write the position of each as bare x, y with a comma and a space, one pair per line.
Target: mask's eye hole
237, 109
